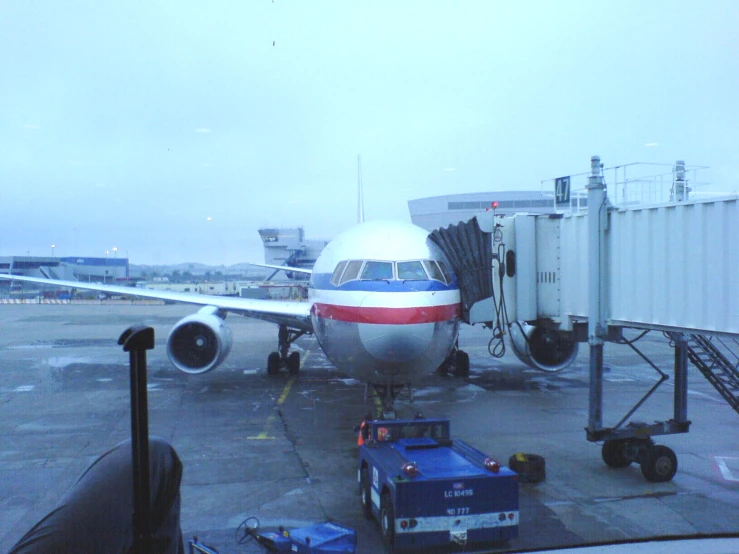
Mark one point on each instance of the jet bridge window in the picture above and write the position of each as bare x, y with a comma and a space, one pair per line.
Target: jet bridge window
377, 271
411, 271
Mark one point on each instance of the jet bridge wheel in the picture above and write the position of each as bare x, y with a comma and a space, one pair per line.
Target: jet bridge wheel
660, 464
614, 454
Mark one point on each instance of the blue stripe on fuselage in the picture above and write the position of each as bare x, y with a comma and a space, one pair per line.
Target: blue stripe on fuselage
322, 281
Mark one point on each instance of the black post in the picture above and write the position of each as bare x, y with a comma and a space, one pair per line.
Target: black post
136, 341
681, 378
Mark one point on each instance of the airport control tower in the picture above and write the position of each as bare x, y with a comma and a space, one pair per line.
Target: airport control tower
289, 247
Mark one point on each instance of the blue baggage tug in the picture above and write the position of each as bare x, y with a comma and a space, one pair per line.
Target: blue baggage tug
428, 490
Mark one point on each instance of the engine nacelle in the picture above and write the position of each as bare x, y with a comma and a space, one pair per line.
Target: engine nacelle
199, 342
542, 348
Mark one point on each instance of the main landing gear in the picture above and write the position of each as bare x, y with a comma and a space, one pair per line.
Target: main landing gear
281, 358
457, 363
658, 463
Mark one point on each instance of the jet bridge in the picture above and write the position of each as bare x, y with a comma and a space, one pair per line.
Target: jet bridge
587, 275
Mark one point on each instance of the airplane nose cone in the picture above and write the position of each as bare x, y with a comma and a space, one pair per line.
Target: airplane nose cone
396, 343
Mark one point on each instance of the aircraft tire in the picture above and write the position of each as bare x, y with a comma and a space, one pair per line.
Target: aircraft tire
273, 363
613, 454
660, 465
365, 493
461, 364
531, 468
443, 369
293, 363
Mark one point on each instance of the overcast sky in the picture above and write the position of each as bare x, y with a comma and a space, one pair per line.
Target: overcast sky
174, 130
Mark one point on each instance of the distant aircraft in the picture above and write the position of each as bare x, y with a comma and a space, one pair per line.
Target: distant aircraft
383, 303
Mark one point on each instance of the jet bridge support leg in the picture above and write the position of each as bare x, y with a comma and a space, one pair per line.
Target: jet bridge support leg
633, 442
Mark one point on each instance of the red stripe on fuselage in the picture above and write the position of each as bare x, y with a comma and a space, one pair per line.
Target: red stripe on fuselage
388, 316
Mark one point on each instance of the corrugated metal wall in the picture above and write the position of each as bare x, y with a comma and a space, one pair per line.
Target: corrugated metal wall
673, 265
676, 265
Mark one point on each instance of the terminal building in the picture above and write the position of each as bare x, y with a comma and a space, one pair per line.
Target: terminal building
289, 247
90, 270
435, 212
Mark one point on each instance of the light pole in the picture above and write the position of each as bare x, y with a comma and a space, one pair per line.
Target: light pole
52, 250
115, 257
106, 265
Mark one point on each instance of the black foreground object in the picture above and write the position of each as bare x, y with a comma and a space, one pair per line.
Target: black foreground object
96, 515
113, 507
136, 341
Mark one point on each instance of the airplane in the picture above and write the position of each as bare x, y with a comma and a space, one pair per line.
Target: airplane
383, 302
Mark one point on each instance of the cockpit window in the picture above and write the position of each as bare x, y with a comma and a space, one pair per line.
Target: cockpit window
336, 277
373, 270
445, 271
377, 270
352, 270
411, 271
433, 270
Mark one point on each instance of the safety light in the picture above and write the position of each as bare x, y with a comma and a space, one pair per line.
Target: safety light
511, 516
494, 205
491, 465
410, 469
501, 517
404, 524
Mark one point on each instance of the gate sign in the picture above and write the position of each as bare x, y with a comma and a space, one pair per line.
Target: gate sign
562, 190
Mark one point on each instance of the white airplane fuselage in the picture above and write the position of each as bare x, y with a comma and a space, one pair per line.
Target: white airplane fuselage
386, 331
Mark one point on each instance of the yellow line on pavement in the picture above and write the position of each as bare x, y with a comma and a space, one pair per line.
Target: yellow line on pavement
286, 391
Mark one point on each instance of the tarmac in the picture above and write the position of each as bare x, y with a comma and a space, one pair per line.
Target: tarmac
283, 449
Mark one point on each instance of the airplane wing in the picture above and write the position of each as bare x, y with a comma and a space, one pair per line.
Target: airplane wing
285, 268
294, 314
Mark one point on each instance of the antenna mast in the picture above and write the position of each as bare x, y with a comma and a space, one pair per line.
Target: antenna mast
360, 192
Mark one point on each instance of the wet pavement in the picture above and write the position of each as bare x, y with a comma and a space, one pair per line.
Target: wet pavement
283, 448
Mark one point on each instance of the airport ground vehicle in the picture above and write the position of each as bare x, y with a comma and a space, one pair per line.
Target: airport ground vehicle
426, 489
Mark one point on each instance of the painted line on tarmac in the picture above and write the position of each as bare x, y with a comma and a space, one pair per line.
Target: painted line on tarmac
723, 467
285, 392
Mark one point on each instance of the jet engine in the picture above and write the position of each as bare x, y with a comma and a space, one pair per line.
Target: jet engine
542, 348
199, 342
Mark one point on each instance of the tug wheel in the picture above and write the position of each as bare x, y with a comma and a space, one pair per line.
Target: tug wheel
387, 522
365, 493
